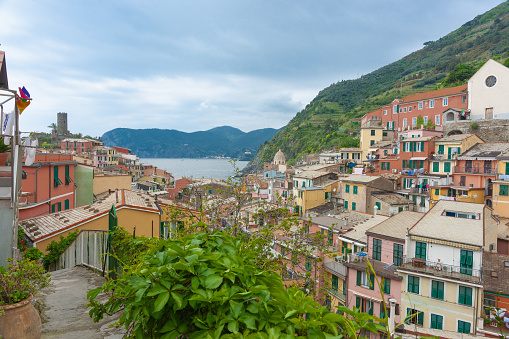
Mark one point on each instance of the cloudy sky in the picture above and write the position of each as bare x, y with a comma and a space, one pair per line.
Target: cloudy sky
193, 65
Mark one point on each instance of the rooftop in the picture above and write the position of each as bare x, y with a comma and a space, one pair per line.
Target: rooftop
350, 149
485, 150
324, 208
337, 224
437, 225
41, 227
420, 138
435, 94
361, 223
396, 226
455, 137
359, 178
310, 174
392, 198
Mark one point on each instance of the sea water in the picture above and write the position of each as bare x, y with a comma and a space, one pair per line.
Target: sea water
196, 168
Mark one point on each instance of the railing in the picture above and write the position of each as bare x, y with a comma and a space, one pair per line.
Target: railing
336, 267
87, 249
337, 294
439, 268
475, 169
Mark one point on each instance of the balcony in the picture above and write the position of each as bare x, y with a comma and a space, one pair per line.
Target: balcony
337, 294
441, 269
475, 169
335, 267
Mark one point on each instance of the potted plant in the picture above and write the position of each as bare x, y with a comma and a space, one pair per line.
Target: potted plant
19, 282
4, 149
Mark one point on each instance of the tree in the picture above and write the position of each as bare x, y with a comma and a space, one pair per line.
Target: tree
209, 285
506, 62
460, 74
53, 126
420, 121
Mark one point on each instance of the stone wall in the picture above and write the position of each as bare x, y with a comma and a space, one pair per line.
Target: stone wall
493, 130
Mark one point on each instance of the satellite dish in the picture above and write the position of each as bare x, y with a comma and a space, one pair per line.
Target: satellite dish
334, 190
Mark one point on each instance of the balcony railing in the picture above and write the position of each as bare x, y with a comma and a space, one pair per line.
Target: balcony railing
439, 268
475, 169
335, 267
337, 294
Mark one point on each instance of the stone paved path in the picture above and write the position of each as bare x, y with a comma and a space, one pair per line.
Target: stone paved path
65, 307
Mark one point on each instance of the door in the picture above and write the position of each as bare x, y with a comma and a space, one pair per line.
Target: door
489, 113
468, 166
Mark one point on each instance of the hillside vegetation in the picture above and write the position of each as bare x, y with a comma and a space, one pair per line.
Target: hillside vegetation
331, 119
222, 141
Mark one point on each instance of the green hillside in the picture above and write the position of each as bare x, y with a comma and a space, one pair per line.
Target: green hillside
332, 118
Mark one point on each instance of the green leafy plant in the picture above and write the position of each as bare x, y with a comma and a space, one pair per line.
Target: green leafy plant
21, 280
474, 125
33, 253
55, 248
209, 285
3, 147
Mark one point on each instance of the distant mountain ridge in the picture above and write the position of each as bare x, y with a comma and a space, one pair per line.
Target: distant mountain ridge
224, 141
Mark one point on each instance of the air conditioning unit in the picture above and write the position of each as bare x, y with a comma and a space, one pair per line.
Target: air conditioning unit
492, 247
394, 170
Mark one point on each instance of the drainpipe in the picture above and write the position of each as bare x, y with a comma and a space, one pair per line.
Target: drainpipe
49, 198
35, 193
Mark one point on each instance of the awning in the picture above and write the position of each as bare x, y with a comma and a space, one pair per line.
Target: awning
352, 242
419, 158
366, 296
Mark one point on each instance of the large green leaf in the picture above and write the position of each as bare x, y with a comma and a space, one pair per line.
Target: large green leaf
213, 281
161, 300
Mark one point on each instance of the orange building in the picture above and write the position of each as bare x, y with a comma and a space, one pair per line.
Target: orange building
402, 114
48, 185
76, 145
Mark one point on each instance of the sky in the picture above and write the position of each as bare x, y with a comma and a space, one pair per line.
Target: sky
194, 65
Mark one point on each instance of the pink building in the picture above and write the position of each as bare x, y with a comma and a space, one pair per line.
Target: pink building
48, 186
76, 145
386, 243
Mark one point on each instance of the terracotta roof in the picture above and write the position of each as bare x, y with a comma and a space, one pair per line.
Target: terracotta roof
435, 224
435, 94
397, 226
44, 226
364, 222
486, 150
455, 137
392, 198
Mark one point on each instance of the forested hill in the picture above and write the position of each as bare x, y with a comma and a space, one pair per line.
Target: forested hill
222, 141
332, 118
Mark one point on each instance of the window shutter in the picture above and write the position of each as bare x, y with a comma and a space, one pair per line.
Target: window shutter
371, 281
422, 146
420, 318
358, 302
403, 163
507, 168
359, 278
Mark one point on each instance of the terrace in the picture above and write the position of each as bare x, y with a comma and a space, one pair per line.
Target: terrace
441, 269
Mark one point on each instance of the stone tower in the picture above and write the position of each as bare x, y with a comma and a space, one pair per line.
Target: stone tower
62, 123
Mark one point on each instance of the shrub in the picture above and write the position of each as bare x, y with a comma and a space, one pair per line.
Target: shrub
21, 280
210, 286
474, 125
33, 253
55, 248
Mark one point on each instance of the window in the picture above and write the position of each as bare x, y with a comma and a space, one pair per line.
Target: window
372, 132
66, 204
387, 285
466, 261
465, 295
330, 237
346, 204
437, 191
395, 109
504, 189
436, 167
445, 102
53, 208
419, 105
425, 120
464, 99
382, 310
56, 180
404, 109
385, 112
507, 168
347, 188
404, 123
413, 284
334, 282
307, 228
410, 108
432, 103
372, 142
437, 120
397, 254
420, 250
414, 122
67, 177
59, 206
377, 249
355, 189
414, 316
436, 321
463, 326
447, 167
354, 206
378, 206
437, 289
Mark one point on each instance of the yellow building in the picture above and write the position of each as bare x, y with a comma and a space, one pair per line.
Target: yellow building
456, 193
355, 190
156, 178
309, 197
135, 211
372, 133
178, 216
448, 148
335, 278
104, 183
501, 187
441, 270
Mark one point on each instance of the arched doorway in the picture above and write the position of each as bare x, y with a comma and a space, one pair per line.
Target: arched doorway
488, 190
488, 203
449, 116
